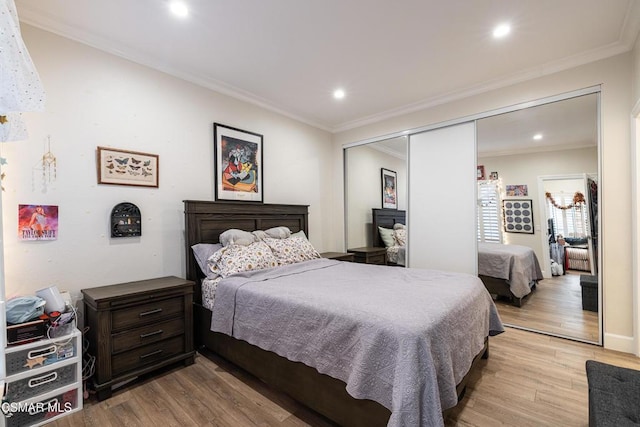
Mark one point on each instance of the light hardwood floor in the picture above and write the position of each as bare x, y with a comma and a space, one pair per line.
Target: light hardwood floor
529, 380
555, 306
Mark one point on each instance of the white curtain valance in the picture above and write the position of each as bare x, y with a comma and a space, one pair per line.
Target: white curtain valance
20, 86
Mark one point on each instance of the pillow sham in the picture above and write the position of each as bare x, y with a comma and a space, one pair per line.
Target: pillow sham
400, 236
202, 252
386, 234
234, 259
292, 250
233, 236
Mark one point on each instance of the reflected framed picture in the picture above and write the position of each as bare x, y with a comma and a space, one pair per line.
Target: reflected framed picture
518, 215
238, 164
389, 189
517, 190
480, 176
122, 167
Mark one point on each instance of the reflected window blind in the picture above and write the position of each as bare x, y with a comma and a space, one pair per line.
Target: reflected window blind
489, 229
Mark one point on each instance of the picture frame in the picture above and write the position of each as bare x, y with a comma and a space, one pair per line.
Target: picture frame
493, 176
389, 189
480, 173
238, 164
518, 216
520, 190
124, 167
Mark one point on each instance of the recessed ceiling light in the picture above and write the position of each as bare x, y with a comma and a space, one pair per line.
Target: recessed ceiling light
537, 136
501, 31
179, 9
338, 93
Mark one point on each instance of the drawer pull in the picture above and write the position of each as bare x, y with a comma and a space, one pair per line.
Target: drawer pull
153, 353
47, 378
41, 352
150, 334
147, 313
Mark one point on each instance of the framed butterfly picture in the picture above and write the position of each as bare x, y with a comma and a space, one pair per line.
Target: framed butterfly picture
121, 167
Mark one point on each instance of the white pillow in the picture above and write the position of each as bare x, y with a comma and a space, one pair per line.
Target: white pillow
234, 259
386, 234
234, 236
275, 233
278, 232
300, 234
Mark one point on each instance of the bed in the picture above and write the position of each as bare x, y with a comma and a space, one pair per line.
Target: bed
509, 271
383, 222
326, 392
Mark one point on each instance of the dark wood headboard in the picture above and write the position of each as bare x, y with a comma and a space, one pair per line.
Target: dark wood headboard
206, 220
385, 218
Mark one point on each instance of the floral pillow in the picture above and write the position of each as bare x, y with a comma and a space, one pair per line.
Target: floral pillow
236, 259
400, 236
292, 250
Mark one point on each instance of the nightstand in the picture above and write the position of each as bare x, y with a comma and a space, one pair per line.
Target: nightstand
340, 256
137, 327
370, 255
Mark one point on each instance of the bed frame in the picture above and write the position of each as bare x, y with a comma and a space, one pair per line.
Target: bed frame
204, 222
385, 218
501, 289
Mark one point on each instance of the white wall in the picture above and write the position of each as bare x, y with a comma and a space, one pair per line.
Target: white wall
364, 180
615, 76
97, 99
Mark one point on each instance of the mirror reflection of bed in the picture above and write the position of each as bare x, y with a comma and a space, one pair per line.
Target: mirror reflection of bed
510, 272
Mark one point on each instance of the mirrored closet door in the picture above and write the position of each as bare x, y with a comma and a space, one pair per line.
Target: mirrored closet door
364, 189
546, 157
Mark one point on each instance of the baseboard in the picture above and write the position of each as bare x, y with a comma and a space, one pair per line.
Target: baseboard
621, 343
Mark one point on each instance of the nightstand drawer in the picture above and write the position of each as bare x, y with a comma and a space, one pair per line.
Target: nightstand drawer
149, 354
147, 334
377, 259
145, 313
370, 255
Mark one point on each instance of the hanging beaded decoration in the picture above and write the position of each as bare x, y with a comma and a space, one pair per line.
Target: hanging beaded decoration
48, 163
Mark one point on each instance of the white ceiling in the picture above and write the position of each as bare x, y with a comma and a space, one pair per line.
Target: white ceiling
391, 57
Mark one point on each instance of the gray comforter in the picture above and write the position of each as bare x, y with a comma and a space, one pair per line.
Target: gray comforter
401, 337
518, 265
